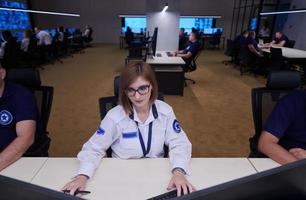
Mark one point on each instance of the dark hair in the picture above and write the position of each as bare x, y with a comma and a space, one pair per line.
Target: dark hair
245, 32
129, 74
252, 33
196, 35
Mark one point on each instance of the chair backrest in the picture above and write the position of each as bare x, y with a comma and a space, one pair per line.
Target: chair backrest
44, 99
290, 43
27, 77
244, 54
229, 48
279, 84
277, 59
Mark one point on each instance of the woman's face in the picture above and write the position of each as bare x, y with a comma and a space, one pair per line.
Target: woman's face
139, 92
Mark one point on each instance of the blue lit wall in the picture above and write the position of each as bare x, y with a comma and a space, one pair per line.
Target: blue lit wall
14, 20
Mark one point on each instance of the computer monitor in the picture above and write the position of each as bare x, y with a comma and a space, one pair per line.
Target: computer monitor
154, 41
12, 189
282, 183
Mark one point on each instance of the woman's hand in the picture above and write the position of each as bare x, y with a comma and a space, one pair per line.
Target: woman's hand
78, 183
180, 182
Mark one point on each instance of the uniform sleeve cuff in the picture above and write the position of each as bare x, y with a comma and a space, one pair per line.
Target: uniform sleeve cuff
86, 169
182, 166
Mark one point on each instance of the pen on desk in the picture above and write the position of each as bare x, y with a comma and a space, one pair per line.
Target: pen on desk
77, 192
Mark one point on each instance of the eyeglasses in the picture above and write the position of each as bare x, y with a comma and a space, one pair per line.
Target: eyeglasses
142, 90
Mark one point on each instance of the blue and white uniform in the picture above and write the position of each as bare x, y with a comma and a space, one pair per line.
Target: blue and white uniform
130, 138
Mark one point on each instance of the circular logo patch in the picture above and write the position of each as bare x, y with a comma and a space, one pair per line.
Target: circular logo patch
176, 126
5, 117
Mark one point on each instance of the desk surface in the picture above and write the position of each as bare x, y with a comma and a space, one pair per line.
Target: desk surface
24, 169
262, 164
116, 178
290, 53
165, 59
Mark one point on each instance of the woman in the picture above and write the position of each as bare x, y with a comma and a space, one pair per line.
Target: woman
129, 127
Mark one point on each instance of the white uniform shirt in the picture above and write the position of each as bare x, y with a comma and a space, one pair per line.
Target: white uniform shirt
44, 38
25, 44
120, 131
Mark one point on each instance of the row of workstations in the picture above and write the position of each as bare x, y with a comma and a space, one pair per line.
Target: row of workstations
133, 179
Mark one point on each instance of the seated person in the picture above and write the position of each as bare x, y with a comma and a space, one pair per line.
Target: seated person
87, 36
18, 116
279, 40
238, 42
44, 38
182, 39
253, 45
284, 134
9, 51
129, 36
26, 40
191, 50
128, 127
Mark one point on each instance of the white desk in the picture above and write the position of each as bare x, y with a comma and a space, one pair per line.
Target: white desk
169, 73
141, 178
289, 53
165, 59
24, 169
262, 164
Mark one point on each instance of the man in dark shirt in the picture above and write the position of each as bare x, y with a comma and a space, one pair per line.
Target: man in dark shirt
284, 135
191, 50
253, 45
18, 116
280, 39
182, 39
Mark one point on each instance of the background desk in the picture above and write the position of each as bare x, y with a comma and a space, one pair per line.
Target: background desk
169, 73
138, 178
263, 164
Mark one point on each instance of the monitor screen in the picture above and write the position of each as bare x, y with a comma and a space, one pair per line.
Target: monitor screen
12, 189
14, 20
198, 23
281, 183
19, 35
253, 24
137, 24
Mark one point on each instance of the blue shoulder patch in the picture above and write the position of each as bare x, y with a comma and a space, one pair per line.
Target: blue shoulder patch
176, 126
100, 131
5, 117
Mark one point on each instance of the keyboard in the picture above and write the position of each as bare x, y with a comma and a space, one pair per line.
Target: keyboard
168, 195
158, 55
169, 54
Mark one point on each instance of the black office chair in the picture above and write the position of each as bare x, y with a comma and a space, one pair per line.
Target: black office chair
290, 43
279, 84
277, 61
30, 78
191, 67
229, 51
136, 52
244, 59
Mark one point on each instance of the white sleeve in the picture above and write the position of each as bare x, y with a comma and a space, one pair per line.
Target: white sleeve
178, 143
95, 148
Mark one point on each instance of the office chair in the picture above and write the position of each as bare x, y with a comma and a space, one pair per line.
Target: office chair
136, 52
229, 52
191, 67
290, 43
30, 78
244, 59
277, 61
279, 84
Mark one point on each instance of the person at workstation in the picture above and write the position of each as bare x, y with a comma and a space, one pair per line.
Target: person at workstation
44, 38
284, 134
182, 39
137, 128
129, 35
18, 117
191, 50
253, 45
280, 39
